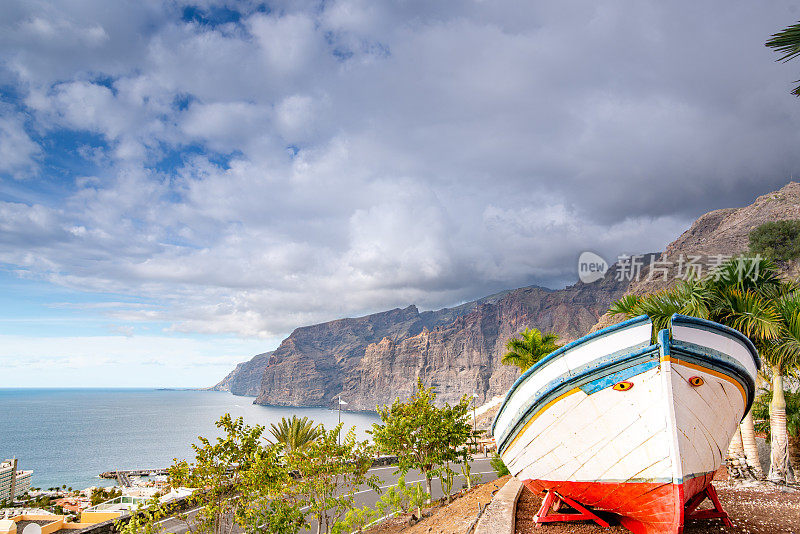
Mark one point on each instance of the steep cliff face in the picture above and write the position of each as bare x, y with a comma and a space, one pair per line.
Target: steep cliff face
370, 360
310, 366
463, 357
716, 235
245, 379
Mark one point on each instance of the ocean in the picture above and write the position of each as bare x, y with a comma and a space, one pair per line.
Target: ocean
69, 436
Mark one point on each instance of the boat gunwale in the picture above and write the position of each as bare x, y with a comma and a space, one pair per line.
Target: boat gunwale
560, 352
719, 328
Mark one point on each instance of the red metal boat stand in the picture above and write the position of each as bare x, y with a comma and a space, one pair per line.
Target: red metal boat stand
544, 515
691, 511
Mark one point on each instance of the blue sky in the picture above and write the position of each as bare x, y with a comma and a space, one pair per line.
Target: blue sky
182, 184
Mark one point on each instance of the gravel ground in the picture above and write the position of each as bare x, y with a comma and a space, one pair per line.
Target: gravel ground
756, 509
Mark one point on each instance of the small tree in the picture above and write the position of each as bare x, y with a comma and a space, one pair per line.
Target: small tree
329, 474
423, 436
446, 478
499, 466
218, 473
355, 520
402, 498
530, 347
272, 503
294, 432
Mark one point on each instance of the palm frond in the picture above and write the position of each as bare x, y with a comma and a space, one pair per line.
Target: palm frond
786, 42
627, 306
751, 314
294, 433
529, 348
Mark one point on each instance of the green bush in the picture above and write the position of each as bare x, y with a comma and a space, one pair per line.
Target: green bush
500, 468
777, 240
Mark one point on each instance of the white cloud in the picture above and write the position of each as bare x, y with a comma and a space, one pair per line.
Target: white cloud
337, 160
18, 152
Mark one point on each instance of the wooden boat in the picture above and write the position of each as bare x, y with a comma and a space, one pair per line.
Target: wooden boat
617, 423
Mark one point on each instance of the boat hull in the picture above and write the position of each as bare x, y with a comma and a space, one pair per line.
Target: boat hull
643, 507
641, 449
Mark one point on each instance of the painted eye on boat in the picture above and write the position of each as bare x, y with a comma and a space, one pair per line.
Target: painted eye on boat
623, 386
697, 381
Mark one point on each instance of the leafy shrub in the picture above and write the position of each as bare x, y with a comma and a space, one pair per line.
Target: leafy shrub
500, 468
761, 411
777, 240
402, 498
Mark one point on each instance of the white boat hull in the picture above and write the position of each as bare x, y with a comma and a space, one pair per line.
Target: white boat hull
640, 450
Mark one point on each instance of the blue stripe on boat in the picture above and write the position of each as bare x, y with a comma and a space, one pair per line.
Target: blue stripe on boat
609, 380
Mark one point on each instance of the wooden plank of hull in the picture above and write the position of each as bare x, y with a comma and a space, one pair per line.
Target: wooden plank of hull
565, 363
609, 435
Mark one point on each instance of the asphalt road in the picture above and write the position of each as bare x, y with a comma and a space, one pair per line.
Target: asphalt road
366, 496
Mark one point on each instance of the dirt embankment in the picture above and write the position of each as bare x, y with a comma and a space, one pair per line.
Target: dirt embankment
455, 517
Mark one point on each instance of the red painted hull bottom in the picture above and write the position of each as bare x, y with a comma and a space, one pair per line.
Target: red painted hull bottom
643, 507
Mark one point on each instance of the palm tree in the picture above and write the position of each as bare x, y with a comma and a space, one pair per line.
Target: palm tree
294, 433
787, 42
746, 294
782, 356
529, 348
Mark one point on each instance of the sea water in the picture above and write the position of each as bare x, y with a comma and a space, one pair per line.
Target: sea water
70, 436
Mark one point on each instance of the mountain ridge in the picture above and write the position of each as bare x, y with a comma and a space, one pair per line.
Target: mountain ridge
372, 359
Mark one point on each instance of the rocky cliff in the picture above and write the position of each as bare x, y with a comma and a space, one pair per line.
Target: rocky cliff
463, 357
245, 379
372, 359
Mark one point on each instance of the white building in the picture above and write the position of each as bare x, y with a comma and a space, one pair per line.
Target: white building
13, 483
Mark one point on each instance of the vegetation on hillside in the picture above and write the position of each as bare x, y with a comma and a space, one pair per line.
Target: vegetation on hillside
776, 240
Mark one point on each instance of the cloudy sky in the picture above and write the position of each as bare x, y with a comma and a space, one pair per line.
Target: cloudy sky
182, 184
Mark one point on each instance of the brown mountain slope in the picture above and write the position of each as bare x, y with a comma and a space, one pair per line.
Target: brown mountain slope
715, 235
